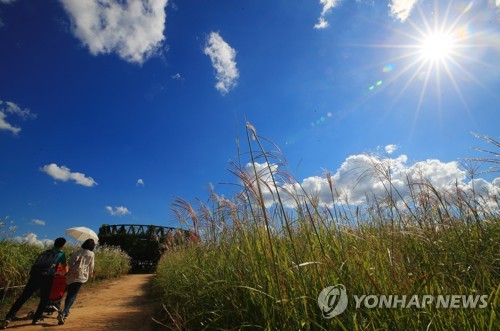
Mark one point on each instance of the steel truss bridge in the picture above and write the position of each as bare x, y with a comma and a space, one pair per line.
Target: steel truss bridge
143, 243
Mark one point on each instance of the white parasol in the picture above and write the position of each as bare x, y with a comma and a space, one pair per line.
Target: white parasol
81, 233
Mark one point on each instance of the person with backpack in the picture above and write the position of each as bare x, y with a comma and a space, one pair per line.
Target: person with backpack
41, 276
81, 267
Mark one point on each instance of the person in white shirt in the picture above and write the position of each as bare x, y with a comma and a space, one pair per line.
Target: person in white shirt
81, 267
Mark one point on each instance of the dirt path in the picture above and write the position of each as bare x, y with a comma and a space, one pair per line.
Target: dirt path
122, 304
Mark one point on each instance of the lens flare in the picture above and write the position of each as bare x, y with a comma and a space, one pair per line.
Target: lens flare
388, 68
322, 119
372, 87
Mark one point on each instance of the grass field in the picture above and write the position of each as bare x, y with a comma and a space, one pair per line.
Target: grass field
262, 265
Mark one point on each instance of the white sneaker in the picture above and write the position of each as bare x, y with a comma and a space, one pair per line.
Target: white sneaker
61, 318
5, 324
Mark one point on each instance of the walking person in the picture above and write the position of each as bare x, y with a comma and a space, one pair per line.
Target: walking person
81, 267
41, 276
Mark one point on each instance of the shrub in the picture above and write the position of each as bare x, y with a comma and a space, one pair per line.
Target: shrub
110, 262
16, 260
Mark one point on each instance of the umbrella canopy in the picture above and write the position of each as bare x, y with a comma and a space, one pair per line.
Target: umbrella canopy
81, 233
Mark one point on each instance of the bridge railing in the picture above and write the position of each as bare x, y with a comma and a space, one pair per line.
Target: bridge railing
138, 230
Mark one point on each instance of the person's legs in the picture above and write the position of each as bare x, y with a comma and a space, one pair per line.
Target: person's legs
71, 293
45, 285
72, 290
30, 288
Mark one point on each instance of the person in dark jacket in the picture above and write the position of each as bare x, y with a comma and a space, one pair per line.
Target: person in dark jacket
41, 280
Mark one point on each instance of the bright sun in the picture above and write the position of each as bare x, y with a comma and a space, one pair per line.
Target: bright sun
437, 46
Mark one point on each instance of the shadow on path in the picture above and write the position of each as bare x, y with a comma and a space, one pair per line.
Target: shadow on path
121, 304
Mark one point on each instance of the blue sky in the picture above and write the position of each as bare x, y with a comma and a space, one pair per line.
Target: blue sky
109, 109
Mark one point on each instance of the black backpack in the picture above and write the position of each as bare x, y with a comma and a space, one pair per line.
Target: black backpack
45, 263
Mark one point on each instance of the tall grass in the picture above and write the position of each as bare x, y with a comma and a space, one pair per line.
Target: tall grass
16, 260
262, 266
110, 262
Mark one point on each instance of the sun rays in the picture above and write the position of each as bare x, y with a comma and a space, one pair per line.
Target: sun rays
435, 53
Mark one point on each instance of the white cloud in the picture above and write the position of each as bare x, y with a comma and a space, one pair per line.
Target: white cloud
389, 149
131, 28
322, 24
357, 177
4, 2
401, 9
263, 171
118, 211
11, 108
489, 192
4, 125
268, 189
265, 180
438, 173
64, 174
11, 228
32, 239
140, 182
177, 76
223, 60
365, 176
37, 222
327, 6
